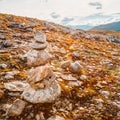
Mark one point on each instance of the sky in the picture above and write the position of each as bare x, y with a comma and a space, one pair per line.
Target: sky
66, 12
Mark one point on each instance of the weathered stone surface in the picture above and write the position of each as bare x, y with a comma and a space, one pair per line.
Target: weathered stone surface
9, 75
39, 73
40, 37
56, 117
6, 43
16, 86
3, 66
65, 64
37, 58
68, 77
38, 46
14, 109
46, 95
75, 67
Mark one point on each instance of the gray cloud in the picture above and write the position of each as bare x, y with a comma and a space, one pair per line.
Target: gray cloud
66, 20
97, 5
54, 15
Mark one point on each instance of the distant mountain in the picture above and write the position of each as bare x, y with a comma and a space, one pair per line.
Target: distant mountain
83, 27
111, 26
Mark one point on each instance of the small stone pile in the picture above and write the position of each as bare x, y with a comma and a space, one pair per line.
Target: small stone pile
43, 86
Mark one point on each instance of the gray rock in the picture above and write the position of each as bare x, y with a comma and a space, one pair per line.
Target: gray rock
83, 77
37, 58
40, 37
9, 75
38, 46
75, 54
105, 93
16, 86
6, 43
3, 66
56, 117
2, 37
17, 25
75, 67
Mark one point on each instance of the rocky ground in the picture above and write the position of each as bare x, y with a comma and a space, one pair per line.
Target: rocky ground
50, 72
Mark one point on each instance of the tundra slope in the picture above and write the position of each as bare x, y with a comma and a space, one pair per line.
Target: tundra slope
76, 72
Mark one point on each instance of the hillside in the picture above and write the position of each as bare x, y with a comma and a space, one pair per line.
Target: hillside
51, 72
111, 26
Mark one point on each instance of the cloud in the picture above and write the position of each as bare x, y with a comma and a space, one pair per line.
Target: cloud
98, 5
66, 20
54, 15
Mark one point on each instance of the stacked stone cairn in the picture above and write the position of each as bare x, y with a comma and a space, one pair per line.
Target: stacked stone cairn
43, 86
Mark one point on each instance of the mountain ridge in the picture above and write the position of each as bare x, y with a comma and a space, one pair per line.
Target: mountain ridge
110, 26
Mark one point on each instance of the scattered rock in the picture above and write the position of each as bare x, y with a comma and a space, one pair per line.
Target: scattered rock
2, 37
68, 77
65, 64
6, 43
56, 117
3, 66
105, 93
40, 37
9, 75
37, 58
83, 77
14, 109
40, 116
75, 54
16, 86
17, 25
75, 67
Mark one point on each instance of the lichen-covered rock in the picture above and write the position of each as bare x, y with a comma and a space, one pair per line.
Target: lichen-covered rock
39, 73
14, 109
46, 95
37, 58
40, 37
56, 117
16, 86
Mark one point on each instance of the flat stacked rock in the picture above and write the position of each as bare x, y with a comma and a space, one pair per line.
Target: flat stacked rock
38, 55
43, 86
